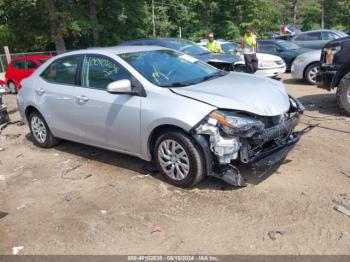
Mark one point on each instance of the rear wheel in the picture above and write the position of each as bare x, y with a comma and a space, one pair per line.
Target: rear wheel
42, 136
343, 94
178, 158
11, 87
311, 72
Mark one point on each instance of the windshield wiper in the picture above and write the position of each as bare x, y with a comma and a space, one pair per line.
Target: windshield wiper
215, 75
176, 84
205, 78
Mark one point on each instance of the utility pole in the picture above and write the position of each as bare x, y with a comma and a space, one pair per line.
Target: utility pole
322, 14
153, 20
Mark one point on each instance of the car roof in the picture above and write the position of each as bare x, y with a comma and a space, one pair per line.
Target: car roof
320, 30
118, 49
32, 57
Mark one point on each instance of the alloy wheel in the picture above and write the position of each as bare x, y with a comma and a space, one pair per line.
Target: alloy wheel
173, 159
38, 129
312, 74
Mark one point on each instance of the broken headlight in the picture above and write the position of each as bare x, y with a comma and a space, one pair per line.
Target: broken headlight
235, 125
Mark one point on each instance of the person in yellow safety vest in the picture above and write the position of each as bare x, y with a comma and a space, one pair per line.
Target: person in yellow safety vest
213, 45
248, 45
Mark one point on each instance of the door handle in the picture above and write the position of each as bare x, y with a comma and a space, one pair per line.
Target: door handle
40, 91
82, 99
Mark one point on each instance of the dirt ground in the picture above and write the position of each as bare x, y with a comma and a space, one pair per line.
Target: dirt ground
75, 199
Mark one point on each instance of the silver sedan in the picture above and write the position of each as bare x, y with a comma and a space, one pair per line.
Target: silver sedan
306, 66
191, 119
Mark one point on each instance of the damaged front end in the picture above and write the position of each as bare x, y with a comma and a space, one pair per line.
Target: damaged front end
235, 137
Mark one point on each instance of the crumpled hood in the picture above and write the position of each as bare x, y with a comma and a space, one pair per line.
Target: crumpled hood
219, 58
240, 91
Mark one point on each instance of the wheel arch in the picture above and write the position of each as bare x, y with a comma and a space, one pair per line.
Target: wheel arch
199, 140
30, 109
156, 132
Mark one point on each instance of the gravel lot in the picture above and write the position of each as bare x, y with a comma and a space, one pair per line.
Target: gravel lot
75, 199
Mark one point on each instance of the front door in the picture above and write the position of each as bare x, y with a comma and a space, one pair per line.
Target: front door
105, 119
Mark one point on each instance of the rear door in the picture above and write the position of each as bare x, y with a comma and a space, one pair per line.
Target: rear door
55, 95
108, 120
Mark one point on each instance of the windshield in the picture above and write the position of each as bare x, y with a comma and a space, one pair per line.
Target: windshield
168, 68
188, 47
286, 45
230, 47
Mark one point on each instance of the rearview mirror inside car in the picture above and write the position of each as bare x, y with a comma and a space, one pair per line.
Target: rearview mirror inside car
120, 87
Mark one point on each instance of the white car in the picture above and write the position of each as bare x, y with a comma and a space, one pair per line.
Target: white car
269, 65
306, 66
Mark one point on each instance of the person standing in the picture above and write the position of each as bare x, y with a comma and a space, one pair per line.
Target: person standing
248, 45
213, 45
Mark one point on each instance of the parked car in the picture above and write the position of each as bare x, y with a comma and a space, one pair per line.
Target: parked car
221, 61
161, 105
317, 39
4, 116
287, 50
306, 66
21, 68
269, 65
335, 71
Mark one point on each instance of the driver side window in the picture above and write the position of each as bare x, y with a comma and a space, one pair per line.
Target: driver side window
99, 71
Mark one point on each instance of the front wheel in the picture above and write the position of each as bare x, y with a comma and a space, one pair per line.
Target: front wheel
311, 72
343, 94
179, 160
42, 136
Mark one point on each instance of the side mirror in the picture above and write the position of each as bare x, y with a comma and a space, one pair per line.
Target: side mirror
279, 50
120, 87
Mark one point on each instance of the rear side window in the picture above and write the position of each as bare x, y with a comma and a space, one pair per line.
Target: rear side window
327, 35
309, 37
99, 71
19, 64
62, 71
30, 65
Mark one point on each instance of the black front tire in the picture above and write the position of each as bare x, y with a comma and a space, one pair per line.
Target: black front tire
196, 161
49, 140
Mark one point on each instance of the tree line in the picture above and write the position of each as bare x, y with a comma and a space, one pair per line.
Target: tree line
32, 25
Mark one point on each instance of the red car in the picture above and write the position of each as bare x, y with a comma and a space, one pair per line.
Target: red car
20, 68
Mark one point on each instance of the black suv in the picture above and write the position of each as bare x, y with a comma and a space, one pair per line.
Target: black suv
335, 70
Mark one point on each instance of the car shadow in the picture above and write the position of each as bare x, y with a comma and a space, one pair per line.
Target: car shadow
253, 177
293, 81
322, 103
